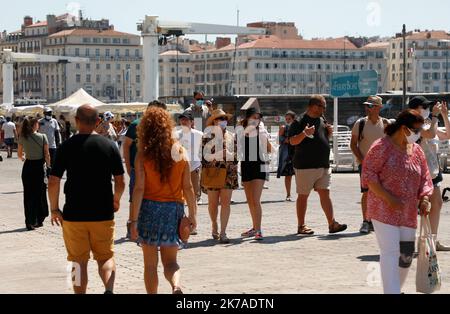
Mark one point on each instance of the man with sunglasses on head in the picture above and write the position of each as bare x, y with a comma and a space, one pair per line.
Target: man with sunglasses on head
200, 110
365, 132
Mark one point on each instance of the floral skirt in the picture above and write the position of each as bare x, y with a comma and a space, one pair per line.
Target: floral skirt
158, 223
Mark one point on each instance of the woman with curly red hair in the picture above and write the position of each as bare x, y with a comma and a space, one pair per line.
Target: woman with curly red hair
163, 183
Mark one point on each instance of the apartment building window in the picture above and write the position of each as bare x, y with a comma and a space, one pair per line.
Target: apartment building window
136, 53
106, 40
118, 66
86, 40
78, 66
78, 78
119, 78
393, 45
310, 66
127, 53
436, 76
107, 53
87, 52
436, 66
393, 67
88, 66
393, 56
258, 53
426, 53
108, 78
116, 40
88, 78
77, 52
97, 53
267, 66
117, 54
98, 78
138, 78
426, 65
436, 53
258, 65
108, 66
97, 66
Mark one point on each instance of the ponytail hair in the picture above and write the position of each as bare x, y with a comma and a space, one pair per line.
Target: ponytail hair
407, 118
27, 126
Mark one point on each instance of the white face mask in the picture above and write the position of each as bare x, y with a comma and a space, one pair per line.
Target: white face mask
223, 124
48, 118
254, 122
413, 138
425, 113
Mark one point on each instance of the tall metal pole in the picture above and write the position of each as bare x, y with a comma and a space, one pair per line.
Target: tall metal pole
206, 65
178, 72
404, 66
446, 67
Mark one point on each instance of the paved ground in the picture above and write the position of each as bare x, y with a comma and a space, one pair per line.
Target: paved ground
35, 262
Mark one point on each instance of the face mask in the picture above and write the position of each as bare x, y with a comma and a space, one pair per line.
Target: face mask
223, 124
254, 122
425, 113
413, 138
289, 124
48, 118
200, 103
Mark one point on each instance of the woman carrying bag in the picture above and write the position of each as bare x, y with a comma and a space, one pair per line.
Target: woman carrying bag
395, 171
163, 184
219, 171
37, 155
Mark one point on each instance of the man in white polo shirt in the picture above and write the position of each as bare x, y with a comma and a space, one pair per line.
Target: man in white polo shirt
10, 134
365, 132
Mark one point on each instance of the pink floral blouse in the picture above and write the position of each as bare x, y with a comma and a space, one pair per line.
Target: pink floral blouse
404, 176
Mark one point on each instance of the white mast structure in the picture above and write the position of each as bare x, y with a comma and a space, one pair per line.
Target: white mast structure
8, 58
152, 29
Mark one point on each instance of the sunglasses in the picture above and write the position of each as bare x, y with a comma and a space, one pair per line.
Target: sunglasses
200, 99
371, 106
222, 119
415, 131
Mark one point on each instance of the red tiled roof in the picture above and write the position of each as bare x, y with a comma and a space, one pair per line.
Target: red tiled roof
266, 42
376, 45
429, 35
38, 24
90, 32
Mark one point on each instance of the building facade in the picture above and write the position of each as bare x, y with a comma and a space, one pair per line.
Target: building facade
113, 73
427, 62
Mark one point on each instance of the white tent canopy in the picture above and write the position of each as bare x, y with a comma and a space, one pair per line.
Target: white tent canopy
28, 110
76, 100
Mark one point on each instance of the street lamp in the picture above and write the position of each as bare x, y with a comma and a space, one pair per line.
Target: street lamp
446, 41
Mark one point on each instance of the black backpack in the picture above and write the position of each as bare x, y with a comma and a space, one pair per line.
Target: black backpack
362, 124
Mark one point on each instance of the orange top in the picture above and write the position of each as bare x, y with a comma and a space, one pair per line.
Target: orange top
170, 191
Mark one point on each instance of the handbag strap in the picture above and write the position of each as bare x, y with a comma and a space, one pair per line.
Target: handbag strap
43, 145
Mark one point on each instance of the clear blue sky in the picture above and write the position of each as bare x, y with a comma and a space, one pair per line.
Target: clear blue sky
314, 18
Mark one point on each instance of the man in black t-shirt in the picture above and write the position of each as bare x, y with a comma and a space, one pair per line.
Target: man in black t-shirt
310, 136
90, 161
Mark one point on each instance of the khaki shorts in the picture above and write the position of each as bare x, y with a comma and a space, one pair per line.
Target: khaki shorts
83, 237
312, 179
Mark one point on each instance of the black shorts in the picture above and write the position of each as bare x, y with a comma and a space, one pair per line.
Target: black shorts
253, 170
363, 190
438, 180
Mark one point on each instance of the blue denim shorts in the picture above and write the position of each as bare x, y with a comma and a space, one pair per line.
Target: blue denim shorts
159, 222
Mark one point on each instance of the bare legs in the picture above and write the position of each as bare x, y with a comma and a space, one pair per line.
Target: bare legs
325, 201
224, 198
253, 192
171, 267
106, 270
288, 185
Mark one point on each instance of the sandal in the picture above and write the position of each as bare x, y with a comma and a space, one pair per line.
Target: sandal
224, 239
337, 227
215, 236
304, 230
249, 234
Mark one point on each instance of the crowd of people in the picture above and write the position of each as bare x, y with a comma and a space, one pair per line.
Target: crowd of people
209, 153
